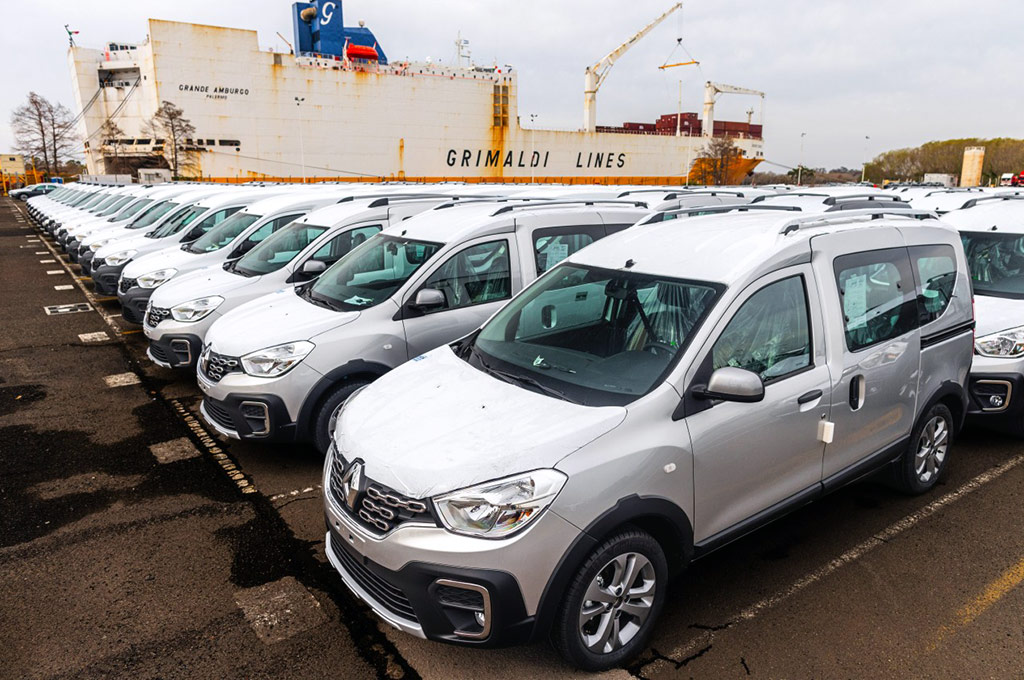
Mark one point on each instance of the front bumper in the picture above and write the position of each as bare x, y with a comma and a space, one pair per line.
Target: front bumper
133, 303
86, 260
74, 247
174, 350
105, 278
398, 575
996, 391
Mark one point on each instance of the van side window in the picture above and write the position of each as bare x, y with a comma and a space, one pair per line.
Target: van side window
475, 275
878, 296
340, 245
554, 244
272, 226
935, 268
770, 334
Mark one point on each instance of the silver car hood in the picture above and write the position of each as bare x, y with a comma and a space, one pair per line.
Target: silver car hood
436, 424
993, 314
270, 320
211, 280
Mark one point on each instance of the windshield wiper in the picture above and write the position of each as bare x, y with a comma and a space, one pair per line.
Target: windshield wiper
308, 294
513, 378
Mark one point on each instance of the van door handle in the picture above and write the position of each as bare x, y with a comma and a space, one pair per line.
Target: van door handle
857, 392
809, 396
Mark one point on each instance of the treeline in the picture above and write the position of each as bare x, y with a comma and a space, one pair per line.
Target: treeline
1001, 155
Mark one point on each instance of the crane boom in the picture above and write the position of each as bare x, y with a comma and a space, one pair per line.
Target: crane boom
711, 92
597, 72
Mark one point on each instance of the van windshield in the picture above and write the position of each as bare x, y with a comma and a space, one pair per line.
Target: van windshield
223, 234
278, 249
152, 214
115, 206
130, 210
593, 336
370, 274
996, 263
178, 221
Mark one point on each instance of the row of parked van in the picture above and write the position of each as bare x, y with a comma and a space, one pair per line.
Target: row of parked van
538, 403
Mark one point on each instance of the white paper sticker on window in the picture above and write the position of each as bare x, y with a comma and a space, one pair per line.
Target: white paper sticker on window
855, 301
556, 253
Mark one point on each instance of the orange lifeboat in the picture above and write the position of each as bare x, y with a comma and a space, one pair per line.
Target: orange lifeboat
362, 52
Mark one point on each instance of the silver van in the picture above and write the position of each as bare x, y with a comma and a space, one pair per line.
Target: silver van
653, 397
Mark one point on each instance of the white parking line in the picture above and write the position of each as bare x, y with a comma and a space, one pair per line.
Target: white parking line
51, 272
98, 336
65, 287
280, 609
39, 252
851, 555
47, 261
174, 450
121, 379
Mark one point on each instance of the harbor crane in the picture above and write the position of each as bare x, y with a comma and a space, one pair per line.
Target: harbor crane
711, 92
596, 73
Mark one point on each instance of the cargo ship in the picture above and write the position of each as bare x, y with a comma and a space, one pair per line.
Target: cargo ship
336, 108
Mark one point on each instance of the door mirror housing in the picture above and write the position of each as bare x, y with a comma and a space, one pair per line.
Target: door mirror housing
732, 384
428, 299
311, 268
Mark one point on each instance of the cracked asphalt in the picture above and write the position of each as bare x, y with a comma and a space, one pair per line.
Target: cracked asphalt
113, 564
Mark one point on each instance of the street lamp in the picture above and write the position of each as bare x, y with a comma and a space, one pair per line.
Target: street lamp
864, 166
800, 166
302, 151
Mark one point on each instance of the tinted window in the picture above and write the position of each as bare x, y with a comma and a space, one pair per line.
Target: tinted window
551, 246
340, 245
996, 263
935, 268
224, 233
878, 296
271, 226
278, 249
473, 276
769, 334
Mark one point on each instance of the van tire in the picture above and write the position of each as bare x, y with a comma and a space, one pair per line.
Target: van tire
924, 461
331, 403
567, 634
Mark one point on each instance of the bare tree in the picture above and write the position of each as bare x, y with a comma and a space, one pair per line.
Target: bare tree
28, 122
170, 125
110, 139
719, 160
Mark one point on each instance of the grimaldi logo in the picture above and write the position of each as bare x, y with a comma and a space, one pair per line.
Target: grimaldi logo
496, 158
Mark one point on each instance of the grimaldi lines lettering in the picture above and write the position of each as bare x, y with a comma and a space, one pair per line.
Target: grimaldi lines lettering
217, 89
496, 158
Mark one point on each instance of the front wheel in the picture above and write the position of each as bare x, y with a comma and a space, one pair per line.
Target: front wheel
925, 459
328, 411
611, 604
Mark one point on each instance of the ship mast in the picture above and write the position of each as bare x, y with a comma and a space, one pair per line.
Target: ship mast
597, 72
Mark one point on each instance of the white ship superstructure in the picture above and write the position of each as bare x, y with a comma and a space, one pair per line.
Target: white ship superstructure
260, 113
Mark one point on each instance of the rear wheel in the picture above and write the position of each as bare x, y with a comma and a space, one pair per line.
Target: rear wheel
328, 411
612, 603
925, 459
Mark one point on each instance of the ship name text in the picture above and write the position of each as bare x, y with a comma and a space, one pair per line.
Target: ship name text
495, 158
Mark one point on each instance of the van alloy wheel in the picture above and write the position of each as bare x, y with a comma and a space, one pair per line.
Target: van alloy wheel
931, 449
617, 603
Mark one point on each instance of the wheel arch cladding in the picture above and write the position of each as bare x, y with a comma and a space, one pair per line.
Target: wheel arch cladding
353, 370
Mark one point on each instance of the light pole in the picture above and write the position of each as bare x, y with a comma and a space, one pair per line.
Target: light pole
302, 151
864, 166
533, 134
800, 165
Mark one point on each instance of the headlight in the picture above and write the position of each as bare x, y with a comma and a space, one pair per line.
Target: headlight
278, 360
118, 259
500, 508
157, 278
99, 244
194, 310
1008, 343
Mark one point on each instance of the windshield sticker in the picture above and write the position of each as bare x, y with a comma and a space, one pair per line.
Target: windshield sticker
359, 301
855, 301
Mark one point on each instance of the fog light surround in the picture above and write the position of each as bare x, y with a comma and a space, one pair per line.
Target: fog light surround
256, 411
470, 616
993, 395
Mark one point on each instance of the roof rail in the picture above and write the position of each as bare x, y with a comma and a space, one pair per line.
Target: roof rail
758, 199
742, 207
588, 201
822, 219
477, 199
1016, 196
869, 196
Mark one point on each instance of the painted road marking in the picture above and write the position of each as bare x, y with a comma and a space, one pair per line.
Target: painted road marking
47, 261
73, 308
121, 379
995, 591
294, 493
65, 287
280, 609
51, 272
881, 538
38, 252
174, 450
224, 460
98, 336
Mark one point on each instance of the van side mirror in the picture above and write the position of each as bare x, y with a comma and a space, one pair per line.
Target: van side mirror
311, 269
428, 299
732, 384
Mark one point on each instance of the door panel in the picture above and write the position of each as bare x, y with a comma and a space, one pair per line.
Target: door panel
739, 468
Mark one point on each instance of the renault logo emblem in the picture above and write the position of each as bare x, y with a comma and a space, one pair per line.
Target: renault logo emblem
351, 483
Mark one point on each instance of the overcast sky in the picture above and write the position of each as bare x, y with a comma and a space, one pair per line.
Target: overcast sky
901, 73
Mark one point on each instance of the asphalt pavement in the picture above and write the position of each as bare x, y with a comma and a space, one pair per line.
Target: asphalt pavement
136, 543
